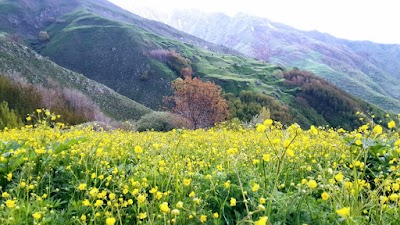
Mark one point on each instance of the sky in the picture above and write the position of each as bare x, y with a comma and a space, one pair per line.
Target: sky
377, 21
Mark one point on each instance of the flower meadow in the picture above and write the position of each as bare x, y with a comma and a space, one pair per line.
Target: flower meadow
268, 175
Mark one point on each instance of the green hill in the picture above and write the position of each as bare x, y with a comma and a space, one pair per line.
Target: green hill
111, 53
367, 70
20, 62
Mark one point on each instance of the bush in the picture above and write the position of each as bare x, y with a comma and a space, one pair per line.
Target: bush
8, 117
44, 36
73, 106
21, 97
200, 102
161, 121
247, 105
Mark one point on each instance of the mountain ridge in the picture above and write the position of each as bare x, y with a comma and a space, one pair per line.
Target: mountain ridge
372, 76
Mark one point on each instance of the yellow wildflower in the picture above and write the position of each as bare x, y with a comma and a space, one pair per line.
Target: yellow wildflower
94, 192
196, 200
339, 177
141, 199
227, 184
9, 177
393, 197
82, 187
138, 149
111, 221
83, 217
314, 130
187, 182
98, 203
312, 184
10, 204
286, 143
232, 202
268, 122
395, 187
391, 124
111, 196
378, 129
343, 212
261, 128
325, 196
255, 187
142, 216
290, 152
262, 221
164, 207
37, 216
159, 195
86, 202
267, 157
203, 218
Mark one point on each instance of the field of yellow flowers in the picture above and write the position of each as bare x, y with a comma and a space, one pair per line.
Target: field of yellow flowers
268, 175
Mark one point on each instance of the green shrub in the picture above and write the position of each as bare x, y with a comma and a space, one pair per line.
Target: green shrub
22, 98
161, 121
248, 104
8, 117
73, 106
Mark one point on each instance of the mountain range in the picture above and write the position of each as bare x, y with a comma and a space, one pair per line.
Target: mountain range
365, 69
81, 43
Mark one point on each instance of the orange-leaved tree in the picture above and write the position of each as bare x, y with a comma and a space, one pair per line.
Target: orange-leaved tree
200, 102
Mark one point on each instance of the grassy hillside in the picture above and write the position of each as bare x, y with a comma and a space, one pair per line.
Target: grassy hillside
26, 18
111, 53
121, 56
367, 70
18, 61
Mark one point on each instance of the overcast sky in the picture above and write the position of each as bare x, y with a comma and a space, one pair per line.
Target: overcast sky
377, 21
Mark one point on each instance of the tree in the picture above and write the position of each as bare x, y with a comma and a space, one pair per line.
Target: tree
200, 102
44, 36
